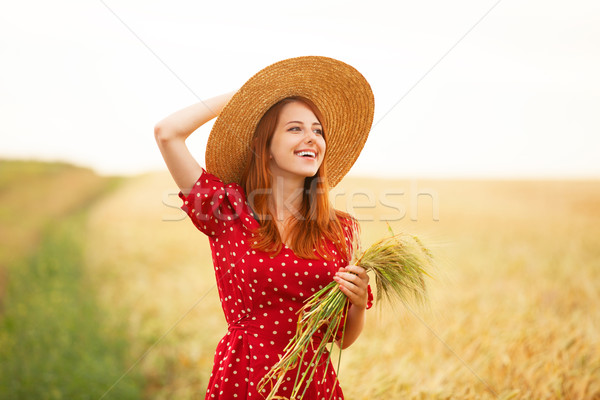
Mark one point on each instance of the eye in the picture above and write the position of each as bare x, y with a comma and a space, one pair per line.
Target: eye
318, 131
294, 128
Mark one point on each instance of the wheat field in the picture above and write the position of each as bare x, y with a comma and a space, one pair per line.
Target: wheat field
514, 309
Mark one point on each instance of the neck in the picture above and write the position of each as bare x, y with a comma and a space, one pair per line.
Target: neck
286, 198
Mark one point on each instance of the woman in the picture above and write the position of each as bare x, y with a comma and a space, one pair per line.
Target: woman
279, 143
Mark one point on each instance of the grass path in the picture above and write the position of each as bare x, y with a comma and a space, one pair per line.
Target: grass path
54, 342
54, 339
148, 261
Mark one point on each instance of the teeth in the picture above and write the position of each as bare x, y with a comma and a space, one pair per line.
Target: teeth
303, 153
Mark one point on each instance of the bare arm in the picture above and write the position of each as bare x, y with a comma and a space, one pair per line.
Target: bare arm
171, 133
355, 321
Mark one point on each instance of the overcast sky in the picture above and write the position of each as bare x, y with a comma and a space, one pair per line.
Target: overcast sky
462, 89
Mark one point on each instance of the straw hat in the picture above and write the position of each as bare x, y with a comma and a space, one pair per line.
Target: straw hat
339, 91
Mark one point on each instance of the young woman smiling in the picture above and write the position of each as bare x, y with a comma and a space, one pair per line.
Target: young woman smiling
278, 145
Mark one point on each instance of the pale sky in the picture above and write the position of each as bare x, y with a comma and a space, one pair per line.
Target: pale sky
518, 96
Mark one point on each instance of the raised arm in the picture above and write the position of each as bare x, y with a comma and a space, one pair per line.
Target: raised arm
171, 133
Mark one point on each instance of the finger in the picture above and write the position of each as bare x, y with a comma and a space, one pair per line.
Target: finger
360, 271
351, 287
347, 276
342, 279
359, 280
357, 290
353, 297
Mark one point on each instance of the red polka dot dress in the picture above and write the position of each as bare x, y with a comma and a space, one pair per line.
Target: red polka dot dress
259, 294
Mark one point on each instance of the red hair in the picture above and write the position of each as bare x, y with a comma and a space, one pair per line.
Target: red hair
318, 219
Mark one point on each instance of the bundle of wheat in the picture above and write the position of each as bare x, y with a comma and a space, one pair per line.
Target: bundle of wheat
399, 263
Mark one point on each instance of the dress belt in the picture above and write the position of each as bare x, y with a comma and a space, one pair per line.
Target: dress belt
239, 324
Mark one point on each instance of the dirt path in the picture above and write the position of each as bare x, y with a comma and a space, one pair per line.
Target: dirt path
151, 263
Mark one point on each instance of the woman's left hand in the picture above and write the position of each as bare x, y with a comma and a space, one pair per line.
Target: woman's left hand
353, 282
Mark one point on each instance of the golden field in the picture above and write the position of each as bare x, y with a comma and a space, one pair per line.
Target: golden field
514, 307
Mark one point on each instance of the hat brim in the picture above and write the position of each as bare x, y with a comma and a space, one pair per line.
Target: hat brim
339, 91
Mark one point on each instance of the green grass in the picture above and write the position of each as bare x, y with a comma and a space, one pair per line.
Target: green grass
55, 342
34, 194
14, 172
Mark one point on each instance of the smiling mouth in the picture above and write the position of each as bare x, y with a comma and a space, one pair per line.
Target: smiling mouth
306, 154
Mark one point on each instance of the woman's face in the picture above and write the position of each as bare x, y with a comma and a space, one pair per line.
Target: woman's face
297, 146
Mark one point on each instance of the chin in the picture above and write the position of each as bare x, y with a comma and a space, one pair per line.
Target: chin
309, 174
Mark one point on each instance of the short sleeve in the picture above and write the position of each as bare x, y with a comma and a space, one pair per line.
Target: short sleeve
213, 206
369, 297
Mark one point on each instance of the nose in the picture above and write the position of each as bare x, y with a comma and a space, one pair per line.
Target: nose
310, 136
